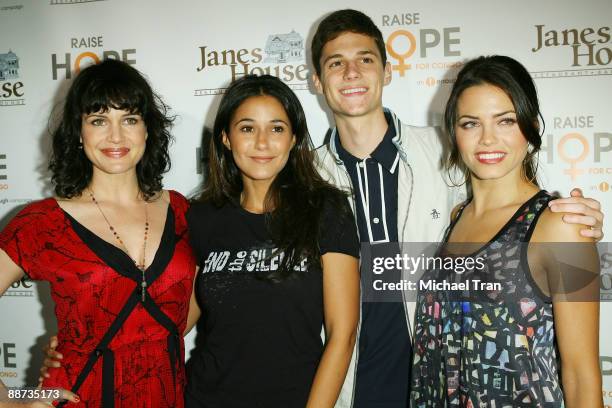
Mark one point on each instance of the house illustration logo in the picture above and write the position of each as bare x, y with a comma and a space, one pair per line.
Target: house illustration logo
9, 66
282, 48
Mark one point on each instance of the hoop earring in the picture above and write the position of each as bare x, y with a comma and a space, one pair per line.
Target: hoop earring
526, 160
450, 178
537, 166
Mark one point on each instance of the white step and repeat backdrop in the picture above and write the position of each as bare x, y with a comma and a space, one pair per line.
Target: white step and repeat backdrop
191, 49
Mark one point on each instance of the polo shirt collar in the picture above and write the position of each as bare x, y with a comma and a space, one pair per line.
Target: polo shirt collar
386, 153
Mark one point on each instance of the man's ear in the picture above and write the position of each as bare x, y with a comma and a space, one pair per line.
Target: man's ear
388, 73
317, 83
225, 140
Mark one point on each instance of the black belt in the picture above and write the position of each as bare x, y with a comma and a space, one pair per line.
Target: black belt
121, 263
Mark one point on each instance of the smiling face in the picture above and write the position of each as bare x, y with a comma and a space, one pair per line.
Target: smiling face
260, 138
352, 75
114, 141
488, 136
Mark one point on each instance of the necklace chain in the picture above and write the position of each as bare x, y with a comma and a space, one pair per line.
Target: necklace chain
140, 265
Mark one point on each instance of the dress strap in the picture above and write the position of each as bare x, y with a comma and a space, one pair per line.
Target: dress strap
455, 219
108, 357
534, 208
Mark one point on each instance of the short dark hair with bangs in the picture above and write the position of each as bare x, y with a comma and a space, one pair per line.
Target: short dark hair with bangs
98, 88
340, 22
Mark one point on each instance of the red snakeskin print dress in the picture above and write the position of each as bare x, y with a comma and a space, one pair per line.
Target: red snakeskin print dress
91, 282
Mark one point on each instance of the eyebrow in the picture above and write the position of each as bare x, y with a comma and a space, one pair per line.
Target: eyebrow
503, 113
467, 117
495, 115
103, 115
337, 55
253, 120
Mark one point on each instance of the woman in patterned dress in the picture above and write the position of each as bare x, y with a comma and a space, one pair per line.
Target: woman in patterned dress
112, 244
532, 341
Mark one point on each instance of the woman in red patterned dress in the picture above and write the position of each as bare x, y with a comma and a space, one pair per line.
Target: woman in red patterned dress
113, 246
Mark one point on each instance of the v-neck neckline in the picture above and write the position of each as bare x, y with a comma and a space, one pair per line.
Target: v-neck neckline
105, 250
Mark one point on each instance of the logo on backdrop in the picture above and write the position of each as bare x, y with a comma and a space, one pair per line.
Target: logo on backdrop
8, 360
587, 50
606, 367
12, 92
21, 288
426, 53
283, 48
607, 394
60, 2
86, 51
282, 56
606, 279
15, 7
582, 152
3, 173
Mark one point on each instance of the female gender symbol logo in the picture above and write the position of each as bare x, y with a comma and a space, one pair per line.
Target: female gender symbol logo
401, 66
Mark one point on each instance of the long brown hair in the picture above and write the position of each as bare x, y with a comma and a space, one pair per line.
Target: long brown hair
295, 202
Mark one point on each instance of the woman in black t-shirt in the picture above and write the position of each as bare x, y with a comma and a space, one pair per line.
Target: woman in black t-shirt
278, 254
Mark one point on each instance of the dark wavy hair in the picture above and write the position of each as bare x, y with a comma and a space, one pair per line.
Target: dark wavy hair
295, 202
513, 78
340, 22
98, 88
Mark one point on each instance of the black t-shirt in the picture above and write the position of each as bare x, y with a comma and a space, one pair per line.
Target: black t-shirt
260, 341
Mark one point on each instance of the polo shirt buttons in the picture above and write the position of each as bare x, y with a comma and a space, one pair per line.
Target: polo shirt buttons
375, 220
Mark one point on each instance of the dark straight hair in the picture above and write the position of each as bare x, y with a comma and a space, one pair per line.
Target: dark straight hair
513, 78
98, 88
340, 22
296, 199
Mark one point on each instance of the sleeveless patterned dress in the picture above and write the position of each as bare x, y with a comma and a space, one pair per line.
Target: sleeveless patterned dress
494, 348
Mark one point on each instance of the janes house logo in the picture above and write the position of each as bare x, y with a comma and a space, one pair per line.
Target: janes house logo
21, 288
12, 90
282, 56
580, 149
422, 49
85, 51
588, 49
